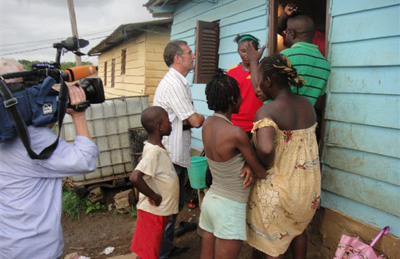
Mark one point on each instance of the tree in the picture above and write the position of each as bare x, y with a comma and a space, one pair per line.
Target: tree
27, 64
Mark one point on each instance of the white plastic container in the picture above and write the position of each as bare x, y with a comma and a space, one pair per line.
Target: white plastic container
108, 126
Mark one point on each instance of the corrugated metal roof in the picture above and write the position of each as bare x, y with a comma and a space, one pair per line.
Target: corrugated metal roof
160, 3
161, 8
126, 32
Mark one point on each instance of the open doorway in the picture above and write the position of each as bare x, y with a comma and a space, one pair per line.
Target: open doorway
316, 9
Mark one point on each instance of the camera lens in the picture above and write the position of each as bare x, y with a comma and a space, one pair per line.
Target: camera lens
93, 88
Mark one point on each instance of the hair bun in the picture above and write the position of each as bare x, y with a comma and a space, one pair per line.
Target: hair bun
219, 73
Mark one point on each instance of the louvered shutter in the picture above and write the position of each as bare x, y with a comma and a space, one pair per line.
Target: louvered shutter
123, 61
207, 45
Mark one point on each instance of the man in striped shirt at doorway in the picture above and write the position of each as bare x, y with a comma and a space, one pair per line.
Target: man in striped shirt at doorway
308, 60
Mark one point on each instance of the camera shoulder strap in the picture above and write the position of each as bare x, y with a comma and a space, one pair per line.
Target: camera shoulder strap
10, 103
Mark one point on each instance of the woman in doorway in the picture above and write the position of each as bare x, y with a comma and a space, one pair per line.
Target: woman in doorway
227, 148
241, 72
281, 206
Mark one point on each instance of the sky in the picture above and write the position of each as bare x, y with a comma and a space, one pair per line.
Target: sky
28, 28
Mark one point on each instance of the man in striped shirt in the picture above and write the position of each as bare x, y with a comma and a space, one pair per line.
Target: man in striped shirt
174, 95
307, 59
309, 62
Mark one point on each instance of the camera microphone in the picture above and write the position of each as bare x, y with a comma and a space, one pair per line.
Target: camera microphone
76, 73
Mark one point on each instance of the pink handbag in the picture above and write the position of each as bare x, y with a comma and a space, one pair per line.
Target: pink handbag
353, 248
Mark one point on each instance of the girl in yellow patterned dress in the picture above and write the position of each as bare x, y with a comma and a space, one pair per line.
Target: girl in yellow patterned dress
282, 205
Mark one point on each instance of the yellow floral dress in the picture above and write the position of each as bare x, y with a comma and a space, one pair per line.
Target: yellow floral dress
281, 206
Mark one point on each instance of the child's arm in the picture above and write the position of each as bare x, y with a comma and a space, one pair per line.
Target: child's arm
137, 179
249, 154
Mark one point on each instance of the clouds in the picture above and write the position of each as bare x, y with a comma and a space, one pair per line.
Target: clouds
27, 25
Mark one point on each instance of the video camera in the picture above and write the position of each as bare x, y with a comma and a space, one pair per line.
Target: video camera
93, 87
34, 101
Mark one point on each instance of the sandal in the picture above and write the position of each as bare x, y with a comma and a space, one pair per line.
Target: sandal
185, 227
192, 204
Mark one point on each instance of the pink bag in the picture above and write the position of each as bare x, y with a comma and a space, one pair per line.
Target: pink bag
352, 248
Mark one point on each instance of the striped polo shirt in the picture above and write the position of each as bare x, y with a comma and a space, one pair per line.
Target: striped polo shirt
310, 65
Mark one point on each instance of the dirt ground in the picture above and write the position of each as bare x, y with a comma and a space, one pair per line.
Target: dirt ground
92, 233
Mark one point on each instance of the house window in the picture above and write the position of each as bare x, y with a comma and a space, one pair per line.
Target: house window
105, 73
207, 45
123, 61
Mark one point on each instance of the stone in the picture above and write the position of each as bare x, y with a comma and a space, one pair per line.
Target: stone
122, 201
96, 195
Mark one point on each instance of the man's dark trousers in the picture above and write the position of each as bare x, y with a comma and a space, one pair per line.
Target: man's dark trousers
167, 242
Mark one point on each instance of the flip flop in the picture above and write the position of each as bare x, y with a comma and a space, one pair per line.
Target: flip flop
185, 227
191, 204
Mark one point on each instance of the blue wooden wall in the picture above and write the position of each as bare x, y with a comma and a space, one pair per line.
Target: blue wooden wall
235, 16
361, 157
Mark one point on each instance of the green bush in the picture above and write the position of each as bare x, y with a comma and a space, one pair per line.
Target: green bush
73, 205
93, 207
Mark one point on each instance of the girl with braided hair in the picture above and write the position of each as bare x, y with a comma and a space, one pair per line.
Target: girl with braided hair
281, 206
228, 149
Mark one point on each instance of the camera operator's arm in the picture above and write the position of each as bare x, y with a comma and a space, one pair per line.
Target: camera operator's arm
77, 95
67, 159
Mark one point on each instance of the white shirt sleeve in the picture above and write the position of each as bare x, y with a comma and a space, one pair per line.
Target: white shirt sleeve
180, 101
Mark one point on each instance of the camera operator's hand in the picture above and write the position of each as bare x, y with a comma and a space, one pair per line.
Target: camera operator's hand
76, 96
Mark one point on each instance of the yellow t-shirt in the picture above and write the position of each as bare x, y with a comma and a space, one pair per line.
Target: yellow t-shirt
161, 177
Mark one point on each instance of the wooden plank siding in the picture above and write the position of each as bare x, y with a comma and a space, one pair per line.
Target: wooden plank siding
144, 64
155, 67
361, 157
235, 17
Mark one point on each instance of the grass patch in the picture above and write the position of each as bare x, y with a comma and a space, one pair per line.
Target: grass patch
133, 211
93, 206
73, 205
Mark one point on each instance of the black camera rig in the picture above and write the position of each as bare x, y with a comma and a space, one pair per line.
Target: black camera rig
35, 102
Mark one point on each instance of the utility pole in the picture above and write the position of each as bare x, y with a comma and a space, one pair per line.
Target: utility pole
74, 28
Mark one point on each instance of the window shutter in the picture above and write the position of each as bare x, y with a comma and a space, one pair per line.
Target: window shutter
113, 72
123, 61
105, 73
207, 45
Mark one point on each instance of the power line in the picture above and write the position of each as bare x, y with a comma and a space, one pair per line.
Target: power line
52, 40
31, 50
29, 42
22, 47
24, 51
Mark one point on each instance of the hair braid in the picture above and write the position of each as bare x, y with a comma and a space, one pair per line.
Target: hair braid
279, 68
220, 91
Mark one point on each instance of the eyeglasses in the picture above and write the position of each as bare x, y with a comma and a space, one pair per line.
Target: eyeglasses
189, 52
287, 31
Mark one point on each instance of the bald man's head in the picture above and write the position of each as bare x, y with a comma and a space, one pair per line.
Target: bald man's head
300, 29
10, 66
